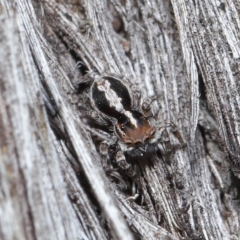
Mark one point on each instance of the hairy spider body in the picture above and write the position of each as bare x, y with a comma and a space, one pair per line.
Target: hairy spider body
134, 130
135, 133
109, 96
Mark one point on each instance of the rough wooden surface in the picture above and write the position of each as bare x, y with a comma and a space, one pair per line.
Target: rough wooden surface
52, 184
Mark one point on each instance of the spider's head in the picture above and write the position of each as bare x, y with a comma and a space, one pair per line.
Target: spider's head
134, 129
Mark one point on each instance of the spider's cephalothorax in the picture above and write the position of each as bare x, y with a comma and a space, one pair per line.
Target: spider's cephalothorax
135, 130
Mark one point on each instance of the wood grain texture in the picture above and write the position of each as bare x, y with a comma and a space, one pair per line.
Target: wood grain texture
52, 183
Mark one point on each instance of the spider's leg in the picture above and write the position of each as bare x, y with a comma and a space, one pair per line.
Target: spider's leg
177, 134
104, 145
164, 143
122, 163
163, 140
98, 118
84, 82
147, 104
163, 137
136, 97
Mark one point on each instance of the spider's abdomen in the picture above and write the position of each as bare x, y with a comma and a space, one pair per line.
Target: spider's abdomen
111, 97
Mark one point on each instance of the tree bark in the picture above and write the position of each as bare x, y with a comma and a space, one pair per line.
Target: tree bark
52, 180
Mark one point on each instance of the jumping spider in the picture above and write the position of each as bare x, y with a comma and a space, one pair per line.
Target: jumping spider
135, 131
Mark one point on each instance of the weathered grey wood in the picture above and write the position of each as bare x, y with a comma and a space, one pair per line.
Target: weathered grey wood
52, 184
34, 202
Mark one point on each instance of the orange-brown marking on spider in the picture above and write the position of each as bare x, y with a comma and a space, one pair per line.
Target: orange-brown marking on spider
135, 135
